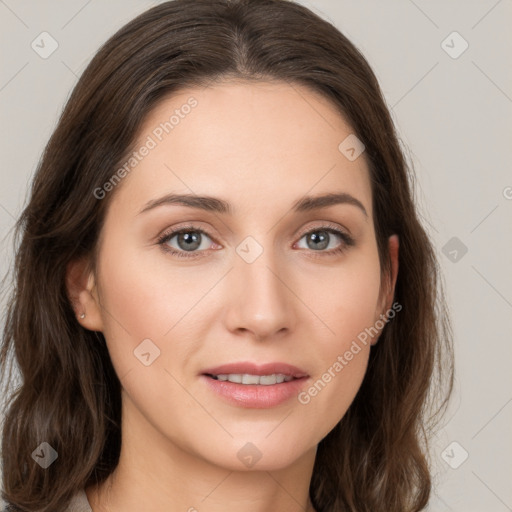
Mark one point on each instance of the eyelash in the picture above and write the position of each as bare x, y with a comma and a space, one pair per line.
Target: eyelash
348, 241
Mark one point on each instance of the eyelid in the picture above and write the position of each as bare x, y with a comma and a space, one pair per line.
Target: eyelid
195, 226
170, 233
324, 225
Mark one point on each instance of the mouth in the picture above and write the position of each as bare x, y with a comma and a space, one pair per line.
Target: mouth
255, 386
249, 373
253, 380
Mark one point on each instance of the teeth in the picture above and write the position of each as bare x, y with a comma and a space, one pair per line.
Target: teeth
265, 380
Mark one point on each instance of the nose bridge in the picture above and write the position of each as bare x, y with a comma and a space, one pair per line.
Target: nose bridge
262, 303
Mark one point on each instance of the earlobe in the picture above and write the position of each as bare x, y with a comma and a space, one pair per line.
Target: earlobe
82, 293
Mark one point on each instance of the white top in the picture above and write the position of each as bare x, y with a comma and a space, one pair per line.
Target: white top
79, 503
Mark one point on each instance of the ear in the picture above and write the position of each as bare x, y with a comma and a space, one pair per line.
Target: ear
82, 292
387, 293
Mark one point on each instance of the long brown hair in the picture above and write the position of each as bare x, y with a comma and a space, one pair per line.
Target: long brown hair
376, 458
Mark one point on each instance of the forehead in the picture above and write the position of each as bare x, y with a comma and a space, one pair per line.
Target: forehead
252, 142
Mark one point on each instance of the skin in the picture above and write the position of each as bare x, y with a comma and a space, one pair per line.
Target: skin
260, 146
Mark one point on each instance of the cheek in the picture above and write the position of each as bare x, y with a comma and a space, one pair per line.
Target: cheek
343, 361
141, 300
148, 295
346, 301
330, 394
348, 311
147, 309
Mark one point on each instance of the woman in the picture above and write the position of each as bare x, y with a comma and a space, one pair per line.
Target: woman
220, 231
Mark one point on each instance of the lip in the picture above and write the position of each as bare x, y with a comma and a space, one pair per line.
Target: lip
255, 396
255, 369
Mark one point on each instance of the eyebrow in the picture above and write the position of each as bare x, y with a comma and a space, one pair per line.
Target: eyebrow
217, 205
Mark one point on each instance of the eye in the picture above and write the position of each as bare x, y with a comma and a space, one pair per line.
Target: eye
191, 241
321, 237
188, 239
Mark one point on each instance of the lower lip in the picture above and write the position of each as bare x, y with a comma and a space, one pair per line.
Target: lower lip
255, 396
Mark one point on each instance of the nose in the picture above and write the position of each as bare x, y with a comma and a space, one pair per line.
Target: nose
261, 302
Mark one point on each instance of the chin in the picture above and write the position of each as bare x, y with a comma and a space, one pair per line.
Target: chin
258, 455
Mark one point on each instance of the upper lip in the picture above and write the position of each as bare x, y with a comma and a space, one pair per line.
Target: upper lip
255, 369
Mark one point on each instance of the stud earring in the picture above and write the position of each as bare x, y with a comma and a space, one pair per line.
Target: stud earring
82, 315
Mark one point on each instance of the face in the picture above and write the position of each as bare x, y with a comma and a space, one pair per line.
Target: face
258, 275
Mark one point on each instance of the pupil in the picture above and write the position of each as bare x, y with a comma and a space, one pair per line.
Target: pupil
191, 240
322, 239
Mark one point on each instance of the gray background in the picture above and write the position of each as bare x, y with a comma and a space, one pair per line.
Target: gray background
454, 118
